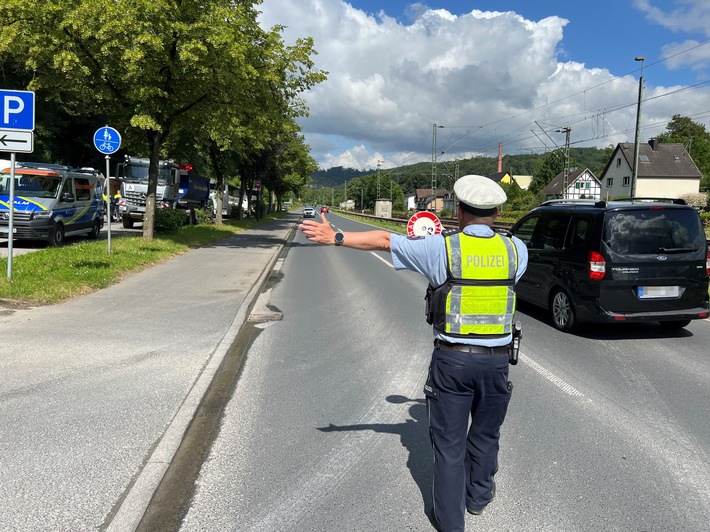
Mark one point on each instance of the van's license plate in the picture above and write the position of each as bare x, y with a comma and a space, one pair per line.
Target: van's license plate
648, 292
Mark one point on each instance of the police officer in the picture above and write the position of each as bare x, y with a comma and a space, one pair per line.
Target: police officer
472, 273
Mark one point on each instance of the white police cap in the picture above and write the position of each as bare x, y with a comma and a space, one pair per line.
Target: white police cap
479, 192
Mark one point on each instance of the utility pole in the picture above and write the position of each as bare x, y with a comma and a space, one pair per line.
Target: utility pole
565, 172
378, 178
634, 174
433, 166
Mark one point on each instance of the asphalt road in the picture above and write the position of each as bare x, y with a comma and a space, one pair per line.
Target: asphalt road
326, 428
96, 392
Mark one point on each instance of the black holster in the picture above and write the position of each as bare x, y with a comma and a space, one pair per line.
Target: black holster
514, 347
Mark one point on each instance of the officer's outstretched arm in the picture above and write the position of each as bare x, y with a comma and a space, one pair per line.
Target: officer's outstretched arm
323, 233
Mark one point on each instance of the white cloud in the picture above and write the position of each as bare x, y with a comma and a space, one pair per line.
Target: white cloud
489, 77
690, 16
687, 54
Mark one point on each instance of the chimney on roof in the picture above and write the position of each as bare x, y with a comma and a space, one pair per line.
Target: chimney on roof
653, 143
500, 157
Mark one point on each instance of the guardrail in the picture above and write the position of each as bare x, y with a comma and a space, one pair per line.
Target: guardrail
447, 223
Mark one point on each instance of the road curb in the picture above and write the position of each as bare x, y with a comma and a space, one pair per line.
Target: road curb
130, 509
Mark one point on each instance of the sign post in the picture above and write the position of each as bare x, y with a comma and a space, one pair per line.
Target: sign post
107, 140
17, 124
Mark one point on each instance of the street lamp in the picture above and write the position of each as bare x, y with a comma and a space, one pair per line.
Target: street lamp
362, 201
634, 173
379, 162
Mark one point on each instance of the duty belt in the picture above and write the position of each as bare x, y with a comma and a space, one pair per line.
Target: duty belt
473, 349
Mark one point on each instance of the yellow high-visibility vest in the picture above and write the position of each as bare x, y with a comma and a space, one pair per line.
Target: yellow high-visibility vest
478, 297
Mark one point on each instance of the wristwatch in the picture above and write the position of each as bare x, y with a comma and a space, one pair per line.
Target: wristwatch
339, 238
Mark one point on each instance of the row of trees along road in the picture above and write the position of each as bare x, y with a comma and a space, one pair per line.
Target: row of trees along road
186, 79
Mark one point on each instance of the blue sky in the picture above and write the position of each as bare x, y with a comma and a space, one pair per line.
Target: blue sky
508, 71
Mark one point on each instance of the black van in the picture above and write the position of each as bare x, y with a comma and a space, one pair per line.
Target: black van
640, 259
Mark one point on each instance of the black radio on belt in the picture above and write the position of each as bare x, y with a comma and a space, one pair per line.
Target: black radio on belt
515, 344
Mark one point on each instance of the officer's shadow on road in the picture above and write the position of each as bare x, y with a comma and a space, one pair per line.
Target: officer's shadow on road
414, 435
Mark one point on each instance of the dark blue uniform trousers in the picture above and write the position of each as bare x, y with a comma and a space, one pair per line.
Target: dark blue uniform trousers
463, 388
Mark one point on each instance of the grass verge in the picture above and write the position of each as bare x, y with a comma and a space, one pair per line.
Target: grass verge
52, 275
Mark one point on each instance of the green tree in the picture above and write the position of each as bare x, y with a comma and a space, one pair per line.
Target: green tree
696, 140
546, 170
150, 66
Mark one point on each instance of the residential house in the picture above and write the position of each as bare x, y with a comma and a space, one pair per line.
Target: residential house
501, 178
506, 178
523, 181
410, 202
664, 170
581, 183
427, 202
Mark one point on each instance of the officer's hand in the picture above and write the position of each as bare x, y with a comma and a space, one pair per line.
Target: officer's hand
321, 233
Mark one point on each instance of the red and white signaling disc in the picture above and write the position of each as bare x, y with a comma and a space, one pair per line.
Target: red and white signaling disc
423, 223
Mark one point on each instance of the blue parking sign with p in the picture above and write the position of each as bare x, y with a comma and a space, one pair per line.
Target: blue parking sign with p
17, 110
107, 140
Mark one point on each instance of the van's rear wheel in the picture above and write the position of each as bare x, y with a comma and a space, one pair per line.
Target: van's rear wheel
674, 324
562, 312
56, 235
95, 230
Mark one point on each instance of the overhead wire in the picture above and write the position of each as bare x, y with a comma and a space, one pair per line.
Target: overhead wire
576, 118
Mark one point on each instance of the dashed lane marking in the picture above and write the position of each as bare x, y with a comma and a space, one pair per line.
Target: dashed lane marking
554, 379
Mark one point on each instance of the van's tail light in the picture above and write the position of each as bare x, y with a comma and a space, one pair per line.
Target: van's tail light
597, 266
707, 261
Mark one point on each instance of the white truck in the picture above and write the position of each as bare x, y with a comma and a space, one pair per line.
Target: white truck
178, 188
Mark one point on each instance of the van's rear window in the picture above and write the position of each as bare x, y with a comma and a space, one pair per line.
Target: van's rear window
645, 231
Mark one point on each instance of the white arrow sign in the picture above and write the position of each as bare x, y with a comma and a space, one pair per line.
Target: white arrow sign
16, 140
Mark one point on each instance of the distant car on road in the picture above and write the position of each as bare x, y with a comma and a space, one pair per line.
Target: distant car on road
309, 212
324, 209
616, 261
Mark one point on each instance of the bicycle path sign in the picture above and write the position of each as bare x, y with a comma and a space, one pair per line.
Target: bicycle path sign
107, 140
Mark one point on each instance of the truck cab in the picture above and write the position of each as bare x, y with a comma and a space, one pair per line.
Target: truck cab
133, 173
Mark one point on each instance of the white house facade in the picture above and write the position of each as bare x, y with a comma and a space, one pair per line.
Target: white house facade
664, 171
580, 184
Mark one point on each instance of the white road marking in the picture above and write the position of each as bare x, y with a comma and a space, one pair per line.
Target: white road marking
383, 260
554, 379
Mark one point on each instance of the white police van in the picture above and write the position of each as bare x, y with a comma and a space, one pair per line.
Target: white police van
51, 202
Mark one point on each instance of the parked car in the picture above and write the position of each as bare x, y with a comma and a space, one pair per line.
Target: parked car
309, 212
618, 261
324, 209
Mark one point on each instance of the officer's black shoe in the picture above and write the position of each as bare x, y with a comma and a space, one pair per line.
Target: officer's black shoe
478, 510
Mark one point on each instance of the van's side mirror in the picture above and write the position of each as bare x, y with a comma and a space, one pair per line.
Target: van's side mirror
68, 197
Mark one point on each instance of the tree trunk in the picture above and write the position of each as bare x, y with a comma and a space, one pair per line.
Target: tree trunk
154, 140
219, 185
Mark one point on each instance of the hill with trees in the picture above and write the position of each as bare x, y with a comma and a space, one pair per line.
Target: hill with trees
411, 177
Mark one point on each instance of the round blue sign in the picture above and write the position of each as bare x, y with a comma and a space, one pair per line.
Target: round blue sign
107, 140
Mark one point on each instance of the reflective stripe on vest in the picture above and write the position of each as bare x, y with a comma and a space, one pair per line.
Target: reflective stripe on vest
482, 298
